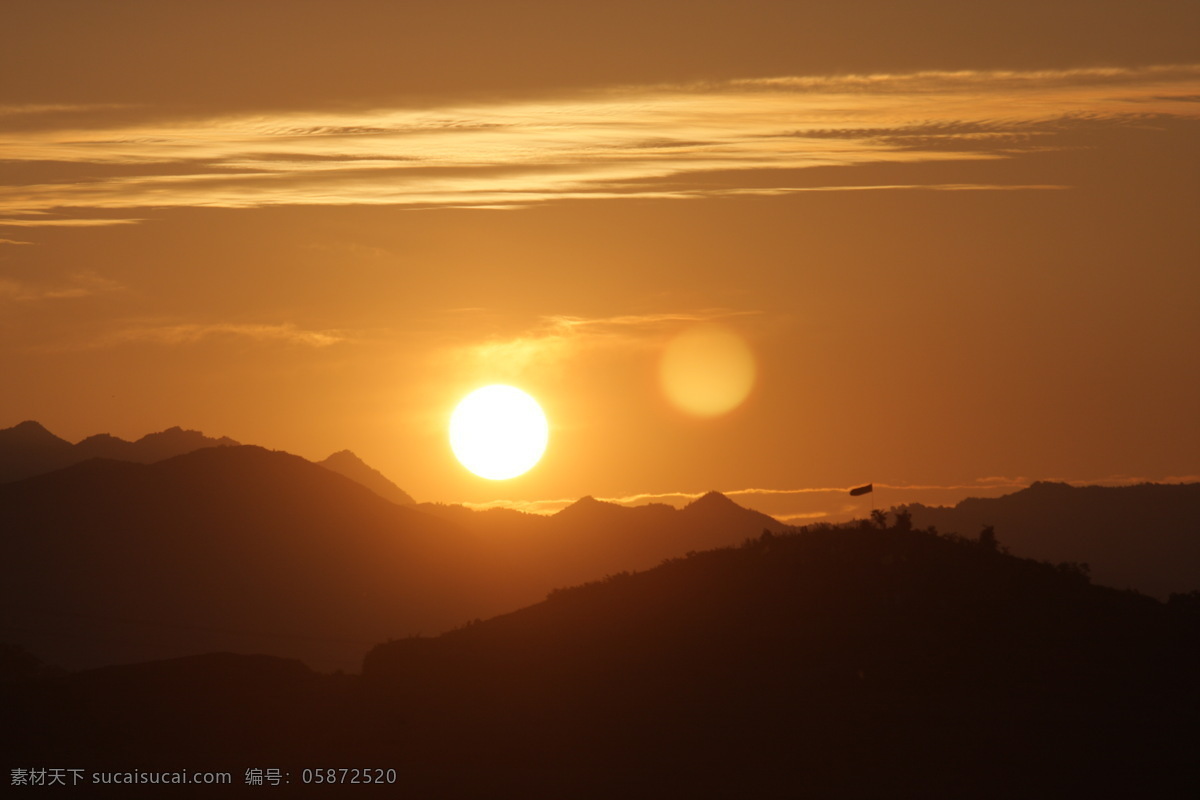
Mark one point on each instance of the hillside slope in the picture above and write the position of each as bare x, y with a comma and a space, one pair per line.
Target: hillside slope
836, 663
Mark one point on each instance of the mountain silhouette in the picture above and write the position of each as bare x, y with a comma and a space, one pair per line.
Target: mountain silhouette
29, 449
716, 512
592, 537
647, 534
243, 549
346, 463
1145, 537
852, 662
224, 548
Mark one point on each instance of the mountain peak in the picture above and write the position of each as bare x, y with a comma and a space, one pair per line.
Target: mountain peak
102, 437
177, 437
29, 449
714, 508
586, 506
349, 465
1049, 486
712, 501
343, 457
30, 432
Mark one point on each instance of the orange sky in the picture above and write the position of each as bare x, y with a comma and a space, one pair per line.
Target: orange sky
960, 243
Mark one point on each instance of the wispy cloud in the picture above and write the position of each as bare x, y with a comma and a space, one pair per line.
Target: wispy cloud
557, 336
81, 284
13, 241
661, 142
625, 322
62, 222
831, 503
34, 109
191, 333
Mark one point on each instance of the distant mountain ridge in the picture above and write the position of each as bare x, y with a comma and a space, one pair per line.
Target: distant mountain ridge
29, 449
711, 516
1145, 537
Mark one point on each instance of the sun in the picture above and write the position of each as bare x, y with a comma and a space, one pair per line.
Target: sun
498, 432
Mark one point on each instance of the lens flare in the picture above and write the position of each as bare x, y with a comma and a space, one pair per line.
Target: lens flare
707, 370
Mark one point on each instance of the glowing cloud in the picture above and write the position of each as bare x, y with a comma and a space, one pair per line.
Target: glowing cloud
557, 337
656, 142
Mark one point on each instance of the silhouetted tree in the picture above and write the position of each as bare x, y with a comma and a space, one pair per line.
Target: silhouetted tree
903, 520
1075, 569
879, 517
987, 538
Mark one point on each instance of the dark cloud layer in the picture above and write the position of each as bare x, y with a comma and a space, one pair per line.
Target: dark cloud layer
234, 55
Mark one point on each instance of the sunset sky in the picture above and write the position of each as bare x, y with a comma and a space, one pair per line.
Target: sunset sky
960, 240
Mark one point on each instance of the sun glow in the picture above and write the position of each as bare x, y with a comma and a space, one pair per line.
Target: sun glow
498, 432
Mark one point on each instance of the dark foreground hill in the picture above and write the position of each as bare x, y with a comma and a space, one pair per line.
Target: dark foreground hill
834, 663
1145, 537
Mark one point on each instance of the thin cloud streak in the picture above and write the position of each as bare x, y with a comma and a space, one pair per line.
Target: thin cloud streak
629, 142
927, 81
77, 222
192, 333
559, 336
81, 284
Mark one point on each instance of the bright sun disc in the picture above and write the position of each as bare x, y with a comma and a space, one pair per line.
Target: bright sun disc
498, 432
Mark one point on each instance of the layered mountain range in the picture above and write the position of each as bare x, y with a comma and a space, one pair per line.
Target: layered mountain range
228, 547
28, 449
234, 547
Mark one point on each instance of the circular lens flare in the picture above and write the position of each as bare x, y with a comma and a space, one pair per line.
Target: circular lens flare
498, 432
707, 370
